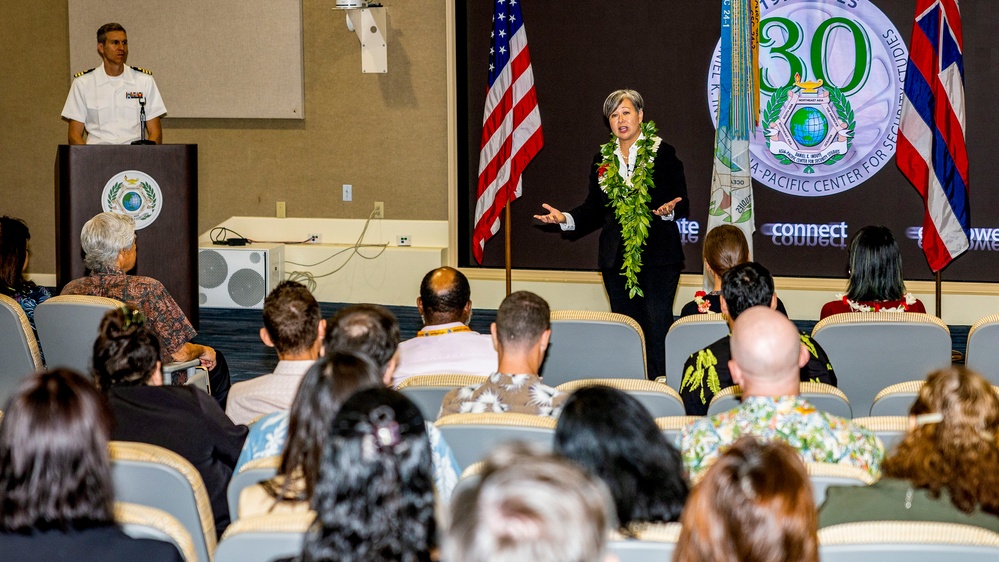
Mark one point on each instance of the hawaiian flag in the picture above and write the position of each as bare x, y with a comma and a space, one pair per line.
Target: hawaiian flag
511, 122
931, 150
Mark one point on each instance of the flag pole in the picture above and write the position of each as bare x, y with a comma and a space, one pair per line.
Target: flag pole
939, 297
507, 237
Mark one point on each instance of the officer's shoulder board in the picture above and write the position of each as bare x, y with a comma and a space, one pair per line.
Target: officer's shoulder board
143, 70
79, 74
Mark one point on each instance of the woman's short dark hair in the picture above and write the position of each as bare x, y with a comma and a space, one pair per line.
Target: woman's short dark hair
14, 238
54, 467
126, 349
375, 496
325, 387
613, 436
875, 266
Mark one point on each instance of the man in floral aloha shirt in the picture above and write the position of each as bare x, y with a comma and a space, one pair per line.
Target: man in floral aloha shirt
766, 357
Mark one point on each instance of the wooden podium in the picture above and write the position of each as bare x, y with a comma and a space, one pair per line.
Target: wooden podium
168, 247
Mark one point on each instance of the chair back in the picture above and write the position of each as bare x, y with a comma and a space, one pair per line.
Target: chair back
872, 350
659, 399
896, 399
822, 475
20, 356
67, 327
671, 426
982, 353
264, 538
824, 397
907, 541
156, 477
889, 429
593, 344
652, 542
143, 522
472, 436
253, 472
689, 335
428, 391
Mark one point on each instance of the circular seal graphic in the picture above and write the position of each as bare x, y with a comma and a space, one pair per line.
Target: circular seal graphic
135, 194
831, 77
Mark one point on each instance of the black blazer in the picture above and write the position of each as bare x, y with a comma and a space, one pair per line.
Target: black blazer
662, 247
99, 544
188, 422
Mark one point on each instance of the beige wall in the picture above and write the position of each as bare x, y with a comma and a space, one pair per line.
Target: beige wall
384, 134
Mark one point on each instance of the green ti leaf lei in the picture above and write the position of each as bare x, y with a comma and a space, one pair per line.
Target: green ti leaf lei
630, 200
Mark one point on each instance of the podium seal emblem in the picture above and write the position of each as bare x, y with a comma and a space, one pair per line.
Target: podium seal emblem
135, 194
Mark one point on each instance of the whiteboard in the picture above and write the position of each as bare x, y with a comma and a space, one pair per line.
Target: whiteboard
218, 58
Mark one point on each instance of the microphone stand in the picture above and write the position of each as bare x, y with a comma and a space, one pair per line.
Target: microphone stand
142, 124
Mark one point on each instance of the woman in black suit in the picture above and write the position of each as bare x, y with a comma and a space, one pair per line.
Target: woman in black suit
637, 190
56, 495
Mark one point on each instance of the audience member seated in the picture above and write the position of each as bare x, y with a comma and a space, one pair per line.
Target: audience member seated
876, 282
706, 372
946, 468
375, 496
754, 505
766, 359
445, 344
55, 478
14, 238
109, 244
612, 436
520, 335
183, 419
293, 326
327, 385
724, 247
530, 506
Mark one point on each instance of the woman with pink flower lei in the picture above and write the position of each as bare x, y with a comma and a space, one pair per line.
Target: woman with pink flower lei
637, 190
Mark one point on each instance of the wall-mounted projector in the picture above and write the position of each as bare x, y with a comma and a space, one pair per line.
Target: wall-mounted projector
351, 4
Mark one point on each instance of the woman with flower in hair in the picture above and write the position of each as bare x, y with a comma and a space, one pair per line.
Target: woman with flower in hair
637, 190
876, 283
945, 469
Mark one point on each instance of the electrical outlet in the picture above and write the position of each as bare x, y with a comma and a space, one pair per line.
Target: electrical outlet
281, 210
403, 240
315, 239
379, 210
348, 192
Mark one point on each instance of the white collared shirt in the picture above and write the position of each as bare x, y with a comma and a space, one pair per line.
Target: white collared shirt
108, 106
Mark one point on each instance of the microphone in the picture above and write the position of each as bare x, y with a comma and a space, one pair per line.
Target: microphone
142, 123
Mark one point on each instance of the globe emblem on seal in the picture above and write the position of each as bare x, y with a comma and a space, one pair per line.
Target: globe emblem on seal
808, 126
133, 193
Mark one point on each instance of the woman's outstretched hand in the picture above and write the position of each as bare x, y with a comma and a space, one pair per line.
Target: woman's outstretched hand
554, 216
667, 208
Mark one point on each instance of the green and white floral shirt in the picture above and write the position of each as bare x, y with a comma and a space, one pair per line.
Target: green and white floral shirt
818, 436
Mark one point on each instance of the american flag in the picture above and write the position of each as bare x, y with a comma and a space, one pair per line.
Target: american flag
931, 151
511, 122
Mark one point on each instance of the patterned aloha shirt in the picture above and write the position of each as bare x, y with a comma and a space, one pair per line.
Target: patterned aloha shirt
148, 295
29, 297
818, 436
523, 394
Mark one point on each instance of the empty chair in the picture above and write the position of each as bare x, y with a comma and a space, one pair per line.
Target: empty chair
671, 426
824, 397
593, 345
890, 429
982, 354
144, 522
156, 477
689, 335
253, 472
822, 475
872, 350
67, 327
428, 391
264, 538
20, 355
659, 399
896, 399
473, 436
653, 542
907, 541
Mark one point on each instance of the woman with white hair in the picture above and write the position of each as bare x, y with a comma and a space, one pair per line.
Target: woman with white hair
109, 245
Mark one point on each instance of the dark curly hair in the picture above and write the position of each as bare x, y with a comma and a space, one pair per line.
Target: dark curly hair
126, 349
375, 497
54, 466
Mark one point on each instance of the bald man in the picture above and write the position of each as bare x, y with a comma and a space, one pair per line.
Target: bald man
767, 355
445, 344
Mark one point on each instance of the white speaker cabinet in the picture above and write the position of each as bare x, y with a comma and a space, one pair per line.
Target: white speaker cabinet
238, 276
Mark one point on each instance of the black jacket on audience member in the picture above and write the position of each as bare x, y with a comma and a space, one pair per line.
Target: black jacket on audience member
99, 544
